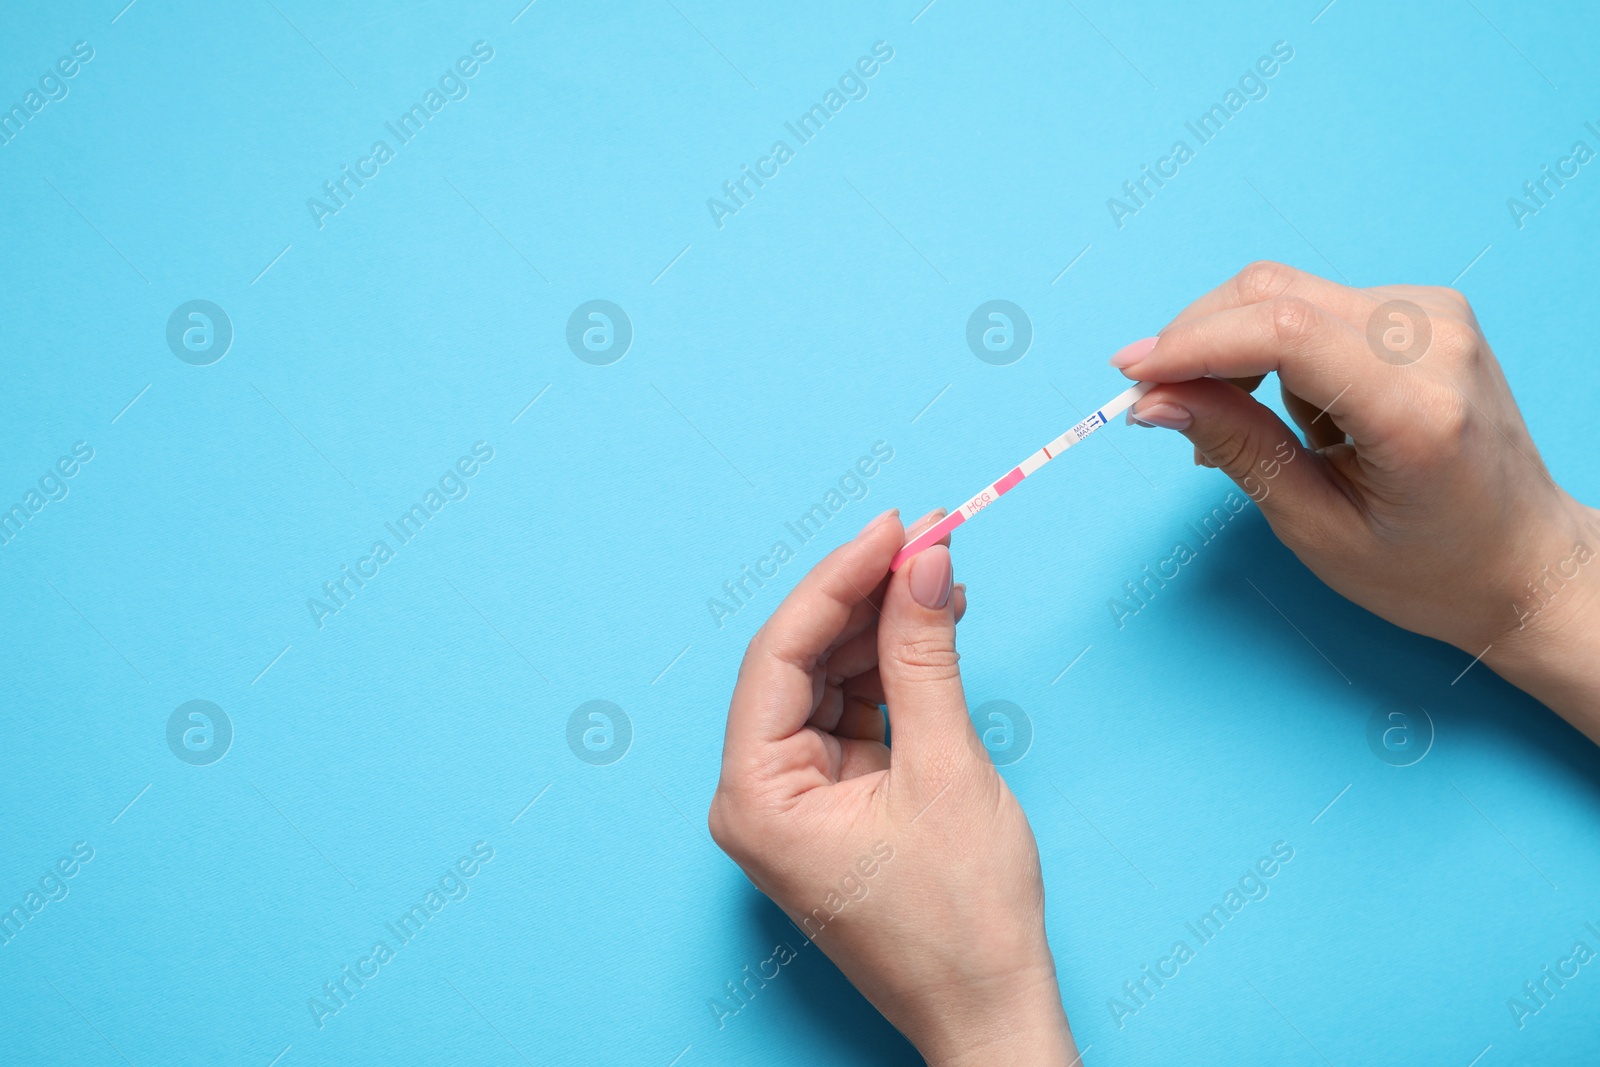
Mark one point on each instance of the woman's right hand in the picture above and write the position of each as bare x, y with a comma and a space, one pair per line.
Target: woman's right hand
816, 798
1421, 495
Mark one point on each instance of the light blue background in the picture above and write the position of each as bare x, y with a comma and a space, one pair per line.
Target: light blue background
372, 753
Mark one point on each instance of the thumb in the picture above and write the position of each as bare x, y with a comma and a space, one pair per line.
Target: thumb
920, 669
1249, 443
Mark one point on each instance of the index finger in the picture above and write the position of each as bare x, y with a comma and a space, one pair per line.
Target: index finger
774, 695
1317, 355
1265, 280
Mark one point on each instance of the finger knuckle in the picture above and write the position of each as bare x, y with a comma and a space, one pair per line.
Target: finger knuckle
1436, 438
722, 823
771, 643
756, 649
931, 656
1232, 451
1293, 321
1262, 280
1455, 341
1454, 299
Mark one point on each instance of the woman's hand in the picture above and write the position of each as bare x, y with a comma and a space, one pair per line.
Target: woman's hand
911, 867
1422, 497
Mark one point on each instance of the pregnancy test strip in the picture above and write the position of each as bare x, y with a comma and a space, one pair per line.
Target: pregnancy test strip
931, 536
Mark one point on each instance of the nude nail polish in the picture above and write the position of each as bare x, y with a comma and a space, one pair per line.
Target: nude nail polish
1128, 355
930, 578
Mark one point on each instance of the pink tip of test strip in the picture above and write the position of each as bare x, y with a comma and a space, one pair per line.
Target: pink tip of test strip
931, 536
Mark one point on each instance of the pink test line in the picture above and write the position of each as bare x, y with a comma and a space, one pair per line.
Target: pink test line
931, 536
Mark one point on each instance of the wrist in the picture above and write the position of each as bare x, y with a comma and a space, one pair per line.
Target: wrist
1023, 1025
1551, 648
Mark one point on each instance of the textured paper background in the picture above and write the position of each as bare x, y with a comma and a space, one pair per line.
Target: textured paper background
371, 753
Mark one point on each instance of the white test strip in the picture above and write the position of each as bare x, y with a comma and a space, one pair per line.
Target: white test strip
931, 536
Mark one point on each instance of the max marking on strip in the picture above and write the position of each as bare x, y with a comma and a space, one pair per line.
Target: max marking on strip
1114, 407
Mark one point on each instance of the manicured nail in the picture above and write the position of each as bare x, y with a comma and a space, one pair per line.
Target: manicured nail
926, 521
1167, 415
877, 522
930, 578
1131, 354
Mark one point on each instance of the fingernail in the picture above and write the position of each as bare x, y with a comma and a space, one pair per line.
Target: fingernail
926, 521
930, 578
1165, 414
877, 522
1131, 354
